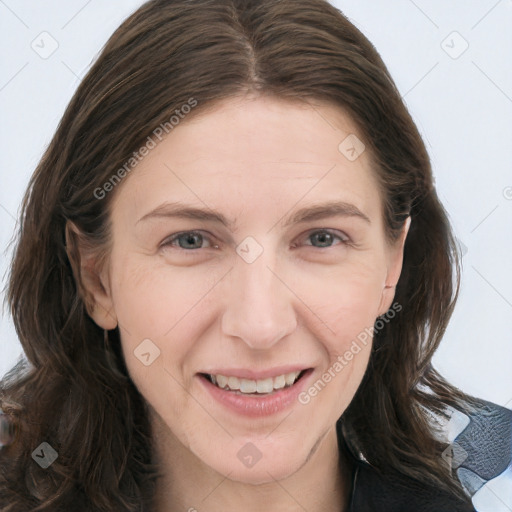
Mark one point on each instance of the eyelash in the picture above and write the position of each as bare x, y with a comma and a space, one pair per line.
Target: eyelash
344, 239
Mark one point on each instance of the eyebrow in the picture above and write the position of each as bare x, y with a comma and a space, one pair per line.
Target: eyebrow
324, 210
183, 211
306, 214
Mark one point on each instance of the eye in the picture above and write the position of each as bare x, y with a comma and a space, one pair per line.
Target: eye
188, 240
193, 240
325, 238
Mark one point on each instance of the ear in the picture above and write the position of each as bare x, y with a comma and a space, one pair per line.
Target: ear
394, 268
91, 278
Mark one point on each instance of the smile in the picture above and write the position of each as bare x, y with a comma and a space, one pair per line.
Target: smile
256, 397
249, 386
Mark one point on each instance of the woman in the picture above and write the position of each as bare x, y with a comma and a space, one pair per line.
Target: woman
232, 273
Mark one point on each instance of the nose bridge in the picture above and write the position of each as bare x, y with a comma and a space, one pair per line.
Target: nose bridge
258, 305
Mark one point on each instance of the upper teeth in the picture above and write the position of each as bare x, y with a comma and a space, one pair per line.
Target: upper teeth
255, 386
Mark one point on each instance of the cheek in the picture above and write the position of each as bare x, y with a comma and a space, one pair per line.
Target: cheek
152, 299
158, 310
347, 301
346, 298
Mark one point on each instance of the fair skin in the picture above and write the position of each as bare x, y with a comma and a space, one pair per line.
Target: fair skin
300, 303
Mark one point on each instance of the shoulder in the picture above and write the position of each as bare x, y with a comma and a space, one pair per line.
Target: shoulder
479, 452
372, 491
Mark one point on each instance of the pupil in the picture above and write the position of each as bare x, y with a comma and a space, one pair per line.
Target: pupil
190, 239
325, 239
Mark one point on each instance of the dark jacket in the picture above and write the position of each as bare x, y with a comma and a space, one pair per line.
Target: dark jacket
374, 493
480, 451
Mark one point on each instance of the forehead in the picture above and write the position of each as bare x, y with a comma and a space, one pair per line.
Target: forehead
255, 153
243, 127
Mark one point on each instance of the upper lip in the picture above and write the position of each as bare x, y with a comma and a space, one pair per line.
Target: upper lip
244, 373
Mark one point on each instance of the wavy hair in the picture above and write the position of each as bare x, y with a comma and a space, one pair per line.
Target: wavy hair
73, 390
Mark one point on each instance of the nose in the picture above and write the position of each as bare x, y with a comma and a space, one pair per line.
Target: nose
259, 306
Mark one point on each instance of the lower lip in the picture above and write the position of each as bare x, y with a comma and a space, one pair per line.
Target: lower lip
257, 406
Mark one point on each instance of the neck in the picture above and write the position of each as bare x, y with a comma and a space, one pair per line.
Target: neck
322, 483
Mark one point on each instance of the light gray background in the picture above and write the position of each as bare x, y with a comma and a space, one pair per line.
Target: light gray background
463, 107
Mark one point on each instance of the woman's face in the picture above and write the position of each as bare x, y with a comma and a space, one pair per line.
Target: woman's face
249, 245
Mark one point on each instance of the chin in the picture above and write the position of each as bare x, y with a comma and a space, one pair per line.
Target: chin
260, 474
250, 465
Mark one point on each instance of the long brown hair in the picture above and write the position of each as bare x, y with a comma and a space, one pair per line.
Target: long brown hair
73, 392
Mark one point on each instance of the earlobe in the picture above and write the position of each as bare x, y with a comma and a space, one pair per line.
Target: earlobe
92, 282
394, 270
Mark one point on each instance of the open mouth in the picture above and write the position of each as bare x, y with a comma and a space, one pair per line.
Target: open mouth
256, 388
